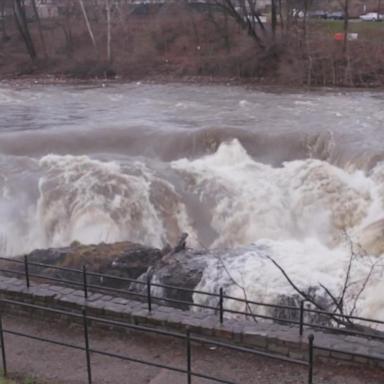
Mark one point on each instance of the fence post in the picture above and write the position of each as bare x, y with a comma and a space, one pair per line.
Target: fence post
3, 347
85, 285
87, 353
221, 305
149, 297
310, 358
301, 317
26, 270
189, 358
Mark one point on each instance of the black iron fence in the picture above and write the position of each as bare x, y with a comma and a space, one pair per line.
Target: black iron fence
187, 338
334, 323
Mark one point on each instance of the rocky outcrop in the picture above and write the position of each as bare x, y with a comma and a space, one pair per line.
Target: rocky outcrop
177, 266
123, 259
183, 268
172, 268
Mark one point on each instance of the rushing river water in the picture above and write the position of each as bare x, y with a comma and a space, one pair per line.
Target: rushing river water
290, 175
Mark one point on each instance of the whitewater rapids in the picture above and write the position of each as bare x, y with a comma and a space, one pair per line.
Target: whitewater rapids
306, 207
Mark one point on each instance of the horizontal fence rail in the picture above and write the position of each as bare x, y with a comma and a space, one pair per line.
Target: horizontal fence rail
186, 337
83, 277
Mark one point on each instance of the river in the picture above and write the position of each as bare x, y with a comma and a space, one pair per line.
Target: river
297, 176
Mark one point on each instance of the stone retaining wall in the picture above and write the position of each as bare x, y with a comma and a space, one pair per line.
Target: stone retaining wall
268, 337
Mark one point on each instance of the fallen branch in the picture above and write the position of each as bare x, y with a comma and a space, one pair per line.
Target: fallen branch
247, 305
305, 296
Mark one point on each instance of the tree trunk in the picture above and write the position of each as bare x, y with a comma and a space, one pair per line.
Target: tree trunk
273, 18
306, 43
346, 28
68, 40
281, 15
108, 9
221, 26
22, 26
243, 21
305, 21
88, 24
40, 28
3, 27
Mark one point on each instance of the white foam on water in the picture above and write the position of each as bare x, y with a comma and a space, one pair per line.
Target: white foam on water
91, 201
298, 213
308, 263
302, 198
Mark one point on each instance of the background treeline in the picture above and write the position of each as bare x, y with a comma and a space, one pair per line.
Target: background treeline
217, 38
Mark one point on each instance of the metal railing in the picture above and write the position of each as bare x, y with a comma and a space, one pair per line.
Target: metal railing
186, 337
83, 283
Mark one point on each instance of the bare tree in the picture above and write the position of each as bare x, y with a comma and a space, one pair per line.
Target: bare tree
345, 6
3, 6
306, 6
37, 17
88, 24
246, 15
221, 25
340, 314
22, 26
65, 22
108, 12
273, 18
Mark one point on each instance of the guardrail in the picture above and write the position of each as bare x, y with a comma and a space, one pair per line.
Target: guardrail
83, 283
186, 337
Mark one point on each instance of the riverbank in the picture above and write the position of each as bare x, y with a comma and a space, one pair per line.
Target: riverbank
191, 46
21, 81
57, 79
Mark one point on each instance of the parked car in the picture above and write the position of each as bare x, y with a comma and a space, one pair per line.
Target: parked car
372, 16
317, 14
335, 15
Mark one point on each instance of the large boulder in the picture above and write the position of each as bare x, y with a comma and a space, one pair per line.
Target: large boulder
134, 263
123, 259
183, 268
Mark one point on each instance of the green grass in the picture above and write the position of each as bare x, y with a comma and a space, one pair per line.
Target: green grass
365, 29
27, 380
6, 381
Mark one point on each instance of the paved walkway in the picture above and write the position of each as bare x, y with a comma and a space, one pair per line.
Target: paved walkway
270, 337
58, 365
